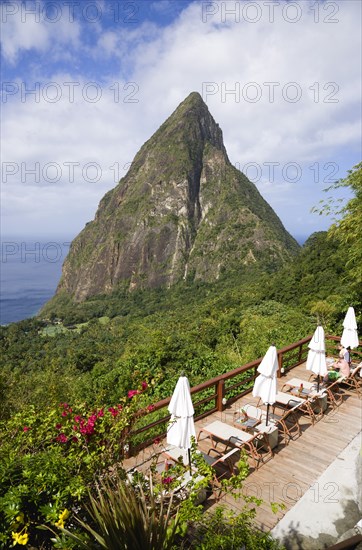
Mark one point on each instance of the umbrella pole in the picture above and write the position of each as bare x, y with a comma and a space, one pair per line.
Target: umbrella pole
189, 454
267, 414
318, 382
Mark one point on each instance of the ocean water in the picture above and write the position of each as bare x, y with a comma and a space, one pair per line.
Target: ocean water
29, 274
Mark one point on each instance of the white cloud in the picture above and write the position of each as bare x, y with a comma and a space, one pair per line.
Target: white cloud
47, 210
28, 27
108, 42
18, 35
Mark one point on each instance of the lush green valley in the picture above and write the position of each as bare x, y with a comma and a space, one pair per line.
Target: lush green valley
204, 329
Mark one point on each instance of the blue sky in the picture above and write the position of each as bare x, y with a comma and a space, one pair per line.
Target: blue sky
282, 79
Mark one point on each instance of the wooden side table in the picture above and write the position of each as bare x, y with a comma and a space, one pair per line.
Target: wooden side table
271, 432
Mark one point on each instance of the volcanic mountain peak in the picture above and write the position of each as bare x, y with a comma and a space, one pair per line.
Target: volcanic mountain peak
181, 212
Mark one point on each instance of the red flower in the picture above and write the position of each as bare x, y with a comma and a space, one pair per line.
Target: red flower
100, 413
113, 411
88, 429
132, 393
157, 441
65, 413
58, 426
144, 385
92, 420
26, 429
67, 408
77, 419
150, 408
167, 480
62, 438
75, 439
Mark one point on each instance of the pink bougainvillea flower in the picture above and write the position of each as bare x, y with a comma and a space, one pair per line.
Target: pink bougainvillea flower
75, 439
113, 411
119, 407
167, 480
156, 441
77, 419
58, 426
62, 438
100, 413
150, 408
87, 429
144, 385
66, 408
132, 393
26, 429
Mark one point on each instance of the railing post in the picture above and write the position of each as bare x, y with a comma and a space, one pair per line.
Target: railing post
220, 393
300, 353
280, 364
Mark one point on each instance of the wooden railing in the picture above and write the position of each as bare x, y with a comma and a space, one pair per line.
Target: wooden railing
213, 395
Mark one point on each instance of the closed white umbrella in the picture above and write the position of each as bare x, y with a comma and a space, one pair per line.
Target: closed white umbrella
316, 359
265, 385
181, 427
350, 336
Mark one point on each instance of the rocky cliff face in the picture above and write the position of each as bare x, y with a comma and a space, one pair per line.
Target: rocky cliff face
181, 212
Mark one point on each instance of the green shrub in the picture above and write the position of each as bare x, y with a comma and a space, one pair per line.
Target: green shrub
49, 460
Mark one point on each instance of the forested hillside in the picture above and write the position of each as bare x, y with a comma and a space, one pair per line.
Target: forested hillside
204, 329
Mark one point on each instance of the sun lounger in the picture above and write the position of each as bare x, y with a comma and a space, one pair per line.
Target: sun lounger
181, 455
354, 380
254, 445
176, 454
306, 405
221, 432
334, 393
310, 389
296, 382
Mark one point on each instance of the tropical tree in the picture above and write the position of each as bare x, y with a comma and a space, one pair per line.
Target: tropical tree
347, 227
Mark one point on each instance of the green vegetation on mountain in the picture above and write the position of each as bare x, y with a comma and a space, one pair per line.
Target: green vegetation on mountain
348, 225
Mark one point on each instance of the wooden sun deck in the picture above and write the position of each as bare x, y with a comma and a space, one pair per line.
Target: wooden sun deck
295, 467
